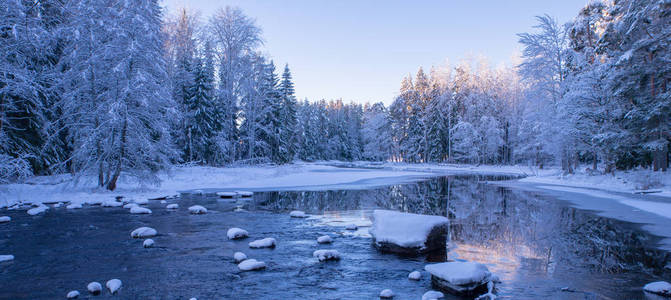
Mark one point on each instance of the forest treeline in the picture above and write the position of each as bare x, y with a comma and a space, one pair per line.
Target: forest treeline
116, 87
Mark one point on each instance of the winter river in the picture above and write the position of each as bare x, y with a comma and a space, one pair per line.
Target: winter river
539, 246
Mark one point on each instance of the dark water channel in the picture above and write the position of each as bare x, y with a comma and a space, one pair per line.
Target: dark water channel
540, 247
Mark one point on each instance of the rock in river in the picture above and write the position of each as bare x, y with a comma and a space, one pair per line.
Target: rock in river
408, 234
460, 278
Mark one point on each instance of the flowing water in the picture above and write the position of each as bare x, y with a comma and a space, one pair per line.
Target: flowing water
540, 247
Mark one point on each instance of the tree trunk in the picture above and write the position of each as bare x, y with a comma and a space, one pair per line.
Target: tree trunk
122, 149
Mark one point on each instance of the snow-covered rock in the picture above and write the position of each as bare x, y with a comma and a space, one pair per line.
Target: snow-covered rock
227, 194
94, 288
386, 294
324, 239
111, 203
197, 210
172, 206
6, 257
460, 278
415, 275
263, 243
239, 257
433, 295
351, 227
141, 201
244, 194
59, 204
74, 206
143, 232
148, 243
5, 219
113, 285
237, 233
326, 254
72, 295
659, 287
38, 210
407, 233
298, 214
139, 210
251, 265
163, 202
130, 205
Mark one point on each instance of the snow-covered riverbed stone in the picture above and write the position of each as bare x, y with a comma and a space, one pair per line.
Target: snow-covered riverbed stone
237, 233
263, 243
6, 257
324, 255
113, 285
140, 210
172, 206
130, 205
38, 210
351, 227
5, 219
459, 278
408, 234
324, 239
74, 206
433, 295
662, 288
239, 257
148, 243
72, 295
386, 294
298, 214
244, 194
94, 288
415, 275
251, 265
197, 210
143, 232
111, 203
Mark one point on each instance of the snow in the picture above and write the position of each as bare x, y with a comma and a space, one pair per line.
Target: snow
38, 210
415, 275
351, 227
139, 210
140, 201
59, 204
263, 243
111, 203
326, 254
386, 294
172, 206
459, 272
298, 214
148, 243
659, 287
143, 232
431, 295
403, 229
237, 233
197, 210
245, 193
324, 239
251, 265
94, 287
226, 194
72, 294
74, 206
113, 285
5, 219
6, 257
131, 205
239, 256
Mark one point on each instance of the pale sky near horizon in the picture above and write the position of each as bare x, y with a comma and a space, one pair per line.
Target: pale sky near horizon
359, 50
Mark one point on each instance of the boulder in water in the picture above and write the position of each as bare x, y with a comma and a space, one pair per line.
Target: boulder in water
5, 219
148, 243
298, 214
197, 210
113, 285
237, 233
386, 294
408, 234
72, 295
415, 275
94, 288
324, 239
263, 243
662, 288
239, 257
432, 295
251, 265
140, 210
324, 255
460, 278
143, 232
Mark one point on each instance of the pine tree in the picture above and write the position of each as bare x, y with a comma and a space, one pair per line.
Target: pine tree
289, 140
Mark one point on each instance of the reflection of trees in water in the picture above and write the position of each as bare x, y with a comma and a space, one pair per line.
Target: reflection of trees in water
498, 221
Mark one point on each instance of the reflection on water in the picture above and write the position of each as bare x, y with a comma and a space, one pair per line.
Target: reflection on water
541, 248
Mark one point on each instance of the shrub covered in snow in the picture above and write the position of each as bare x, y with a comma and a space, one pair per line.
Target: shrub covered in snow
298, 214
5, 219
148, 243
197, 210
263, 243
113, 285
239, 256
139, 210
143, 232
386, 294
251, 265
324, 239
94, 288
237, 233
659, 287
324, 254
415, 275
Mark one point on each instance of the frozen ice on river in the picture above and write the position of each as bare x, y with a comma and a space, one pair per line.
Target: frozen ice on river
6, 257
38, 210
5, 219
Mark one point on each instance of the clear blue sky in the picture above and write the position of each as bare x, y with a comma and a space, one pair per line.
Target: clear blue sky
359, 50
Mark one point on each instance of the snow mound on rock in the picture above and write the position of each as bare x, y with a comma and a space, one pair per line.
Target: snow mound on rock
460, 272
94, 288
140, 210
298, 214
324, 239
351, 227
130, 205
239, 257
197, 210
324, 254
74, 206
659, 287
113, 285
251, 265
404, 229
172, 206
148, 243
38, 210
237, 233
263, 243
143, 232
433, 295
386, 294
5, 219
414, 275
6, 257
111, 203
72, 294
